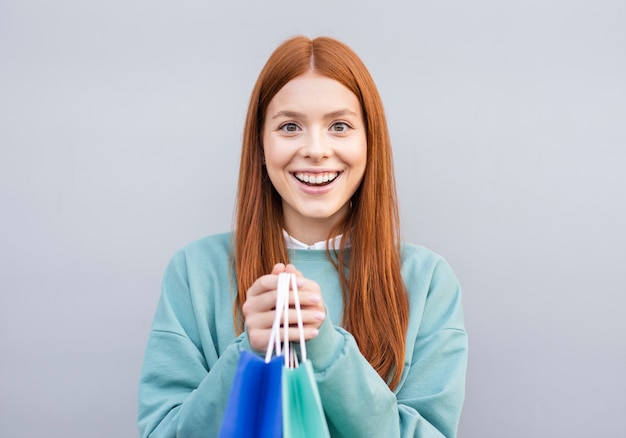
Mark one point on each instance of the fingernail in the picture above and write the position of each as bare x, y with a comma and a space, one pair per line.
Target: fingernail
300, 282
320, 316
315, 299
314, 332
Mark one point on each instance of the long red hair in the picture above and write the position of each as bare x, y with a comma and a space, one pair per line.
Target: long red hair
375, 303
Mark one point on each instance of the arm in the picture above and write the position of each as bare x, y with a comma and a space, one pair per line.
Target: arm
428, 401
180, 393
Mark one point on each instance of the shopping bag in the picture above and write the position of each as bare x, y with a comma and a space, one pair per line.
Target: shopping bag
303, 415
254, 408
254, 405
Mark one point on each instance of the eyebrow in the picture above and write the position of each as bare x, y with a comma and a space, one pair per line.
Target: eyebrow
298, 115
339, 113
290, 114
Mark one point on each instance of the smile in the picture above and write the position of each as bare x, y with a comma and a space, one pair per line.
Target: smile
316, 179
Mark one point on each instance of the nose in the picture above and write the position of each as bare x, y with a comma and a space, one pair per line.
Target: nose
316, 147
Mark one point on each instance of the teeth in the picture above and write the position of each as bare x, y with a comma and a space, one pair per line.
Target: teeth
320, 178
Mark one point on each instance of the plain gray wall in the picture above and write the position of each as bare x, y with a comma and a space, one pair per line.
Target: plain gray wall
120, 129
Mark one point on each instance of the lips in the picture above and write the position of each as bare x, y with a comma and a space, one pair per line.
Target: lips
316, 179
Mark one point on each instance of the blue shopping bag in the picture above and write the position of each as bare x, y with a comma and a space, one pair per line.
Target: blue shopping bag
254, 408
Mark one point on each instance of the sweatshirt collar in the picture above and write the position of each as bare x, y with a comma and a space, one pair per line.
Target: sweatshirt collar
293, 243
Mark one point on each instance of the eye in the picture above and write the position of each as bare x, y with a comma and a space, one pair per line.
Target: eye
339, 127
289, 127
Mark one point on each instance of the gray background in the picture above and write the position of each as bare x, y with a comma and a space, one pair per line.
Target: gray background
120, 129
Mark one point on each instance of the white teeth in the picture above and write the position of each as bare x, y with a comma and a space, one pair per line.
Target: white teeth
320, 178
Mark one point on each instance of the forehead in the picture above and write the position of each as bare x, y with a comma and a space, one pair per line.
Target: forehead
312, 92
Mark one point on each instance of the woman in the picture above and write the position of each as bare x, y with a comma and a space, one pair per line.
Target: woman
383, 319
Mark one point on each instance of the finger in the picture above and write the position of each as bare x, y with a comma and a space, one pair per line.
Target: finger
309, 293
293, 334
308, 302
260, 321
258, 304
293, 270
278, 268
310, 317
263, 284
259, 339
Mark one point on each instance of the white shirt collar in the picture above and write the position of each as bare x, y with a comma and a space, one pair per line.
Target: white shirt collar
293, 243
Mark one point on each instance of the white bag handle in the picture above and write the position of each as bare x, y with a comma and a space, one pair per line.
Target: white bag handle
282, 295
285, 280
296, 299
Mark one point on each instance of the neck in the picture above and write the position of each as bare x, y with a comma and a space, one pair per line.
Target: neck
310, 230
308, 237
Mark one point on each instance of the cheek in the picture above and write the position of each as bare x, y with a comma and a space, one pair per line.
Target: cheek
277, 154
354, 154
275, 158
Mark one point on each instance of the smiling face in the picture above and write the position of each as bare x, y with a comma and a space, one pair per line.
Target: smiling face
315, 148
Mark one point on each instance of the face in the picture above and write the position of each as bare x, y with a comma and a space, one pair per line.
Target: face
315, 149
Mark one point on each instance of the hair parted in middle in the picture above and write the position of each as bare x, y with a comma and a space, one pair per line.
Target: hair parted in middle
375, 302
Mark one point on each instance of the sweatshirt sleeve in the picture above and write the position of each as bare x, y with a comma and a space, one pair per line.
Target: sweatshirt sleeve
428, 400
180, 393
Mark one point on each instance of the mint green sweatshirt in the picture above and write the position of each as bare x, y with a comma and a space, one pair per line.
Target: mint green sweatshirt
192, 351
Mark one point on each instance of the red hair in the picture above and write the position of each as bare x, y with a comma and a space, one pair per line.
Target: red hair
375, 302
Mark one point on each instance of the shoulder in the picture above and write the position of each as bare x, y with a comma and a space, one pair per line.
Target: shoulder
419, 257
434, 291
216, 243
424, 267
211, 250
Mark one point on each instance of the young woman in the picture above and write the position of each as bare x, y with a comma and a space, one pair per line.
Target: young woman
383, 318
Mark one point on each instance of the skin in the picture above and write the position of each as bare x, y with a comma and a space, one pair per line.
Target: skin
314, 126
261, 299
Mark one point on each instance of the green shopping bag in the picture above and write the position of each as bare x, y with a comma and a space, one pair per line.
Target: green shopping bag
303, 415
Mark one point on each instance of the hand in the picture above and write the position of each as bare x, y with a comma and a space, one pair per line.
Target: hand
259, 308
